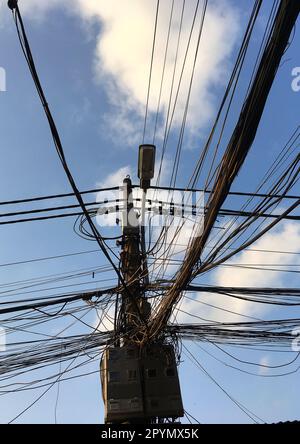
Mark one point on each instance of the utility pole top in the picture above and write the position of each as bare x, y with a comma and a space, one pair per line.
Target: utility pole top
146, 165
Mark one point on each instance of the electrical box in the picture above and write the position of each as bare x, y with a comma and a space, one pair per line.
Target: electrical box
146, 164
139, 384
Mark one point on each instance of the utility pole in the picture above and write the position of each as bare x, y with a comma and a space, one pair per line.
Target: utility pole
140, 385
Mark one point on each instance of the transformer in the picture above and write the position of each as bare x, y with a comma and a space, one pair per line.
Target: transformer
140, 385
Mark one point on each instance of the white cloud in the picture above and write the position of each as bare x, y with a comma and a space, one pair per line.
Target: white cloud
116, 178
123, 51
284, 238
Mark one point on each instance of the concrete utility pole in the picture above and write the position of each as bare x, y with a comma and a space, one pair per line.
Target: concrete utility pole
140, 385
133, 302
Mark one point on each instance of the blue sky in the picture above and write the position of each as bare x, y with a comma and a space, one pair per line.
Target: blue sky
96, 86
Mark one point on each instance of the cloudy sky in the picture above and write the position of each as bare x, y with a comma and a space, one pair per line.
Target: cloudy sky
93, 57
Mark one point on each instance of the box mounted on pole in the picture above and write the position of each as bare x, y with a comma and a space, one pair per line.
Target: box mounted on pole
146, 165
